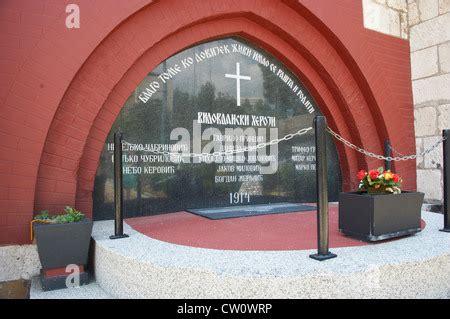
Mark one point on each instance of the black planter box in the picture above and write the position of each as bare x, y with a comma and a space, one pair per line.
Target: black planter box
60, 245
378, 217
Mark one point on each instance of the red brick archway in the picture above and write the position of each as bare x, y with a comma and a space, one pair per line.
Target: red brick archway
348, 71
288, 35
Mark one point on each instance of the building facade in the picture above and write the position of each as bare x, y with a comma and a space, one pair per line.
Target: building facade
63, 87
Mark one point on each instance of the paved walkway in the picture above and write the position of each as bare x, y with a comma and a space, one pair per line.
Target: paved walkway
91, 291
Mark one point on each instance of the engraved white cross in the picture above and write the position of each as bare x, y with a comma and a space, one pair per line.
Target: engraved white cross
238, 78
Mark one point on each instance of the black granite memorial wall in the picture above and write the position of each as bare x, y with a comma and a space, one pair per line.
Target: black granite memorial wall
216, 96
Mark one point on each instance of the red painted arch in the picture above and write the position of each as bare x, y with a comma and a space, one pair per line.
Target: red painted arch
348, 70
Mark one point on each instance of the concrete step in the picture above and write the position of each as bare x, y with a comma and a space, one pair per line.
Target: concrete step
142, 267
91, 291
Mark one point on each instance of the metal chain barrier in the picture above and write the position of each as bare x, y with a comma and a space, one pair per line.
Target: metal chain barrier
381, 157
230, 152
291, 136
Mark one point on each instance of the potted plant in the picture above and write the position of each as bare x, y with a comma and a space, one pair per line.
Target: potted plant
379, 209
62, 240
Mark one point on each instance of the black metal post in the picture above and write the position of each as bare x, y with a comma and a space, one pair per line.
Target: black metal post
118, 188
387, 153
320, 124
446, 171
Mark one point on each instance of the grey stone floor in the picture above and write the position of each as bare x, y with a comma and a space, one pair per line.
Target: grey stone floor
91, 291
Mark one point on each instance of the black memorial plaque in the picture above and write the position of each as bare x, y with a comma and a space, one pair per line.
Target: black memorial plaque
217, 96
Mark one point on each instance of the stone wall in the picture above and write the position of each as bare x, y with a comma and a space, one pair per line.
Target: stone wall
61, 89
429, 32
386, 16
427, 25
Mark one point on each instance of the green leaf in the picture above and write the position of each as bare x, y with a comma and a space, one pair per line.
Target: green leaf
70, 215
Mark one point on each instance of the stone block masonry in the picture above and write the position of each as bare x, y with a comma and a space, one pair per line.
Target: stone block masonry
426, 24
429, 35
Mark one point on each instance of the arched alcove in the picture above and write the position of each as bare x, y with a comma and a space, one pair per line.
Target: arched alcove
216, 96
120, 62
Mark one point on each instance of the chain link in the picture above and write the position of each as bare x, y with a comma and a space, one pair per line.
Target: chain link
381, 157
299, 133
230, 152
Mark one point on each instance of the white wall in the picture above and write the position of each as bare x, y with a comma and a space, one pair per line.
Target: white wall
426, 23
386, 16
429, 33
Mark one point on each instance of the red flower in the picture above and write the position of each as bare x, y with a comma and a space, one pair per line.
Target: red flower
361, 174
395, 178
373, 174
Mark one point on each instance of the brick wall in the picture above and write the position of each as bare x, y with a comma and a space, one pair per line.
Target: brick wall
61, 89
39, 57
